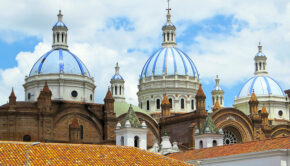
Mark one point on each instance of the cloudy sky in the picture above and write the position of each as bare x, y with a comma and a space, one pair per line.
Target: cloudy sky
221, 37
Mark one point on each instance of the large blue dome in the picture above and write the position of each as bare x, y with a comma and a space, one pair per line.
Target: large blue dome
170, 61
262, 86
59, 61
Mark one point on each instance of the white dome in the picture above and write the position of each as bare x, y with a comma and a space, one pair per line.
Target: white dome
262, 86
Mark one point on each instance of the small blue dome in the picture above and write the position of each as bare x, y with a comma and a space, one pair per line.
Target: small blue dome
262, 86
169, 60
117, 77
59, 61
59, 24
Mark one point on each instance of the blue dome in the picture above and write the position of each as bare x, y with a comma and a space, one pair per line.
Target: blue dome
262, 86
57, 61
169, 60
59, 24
117, 77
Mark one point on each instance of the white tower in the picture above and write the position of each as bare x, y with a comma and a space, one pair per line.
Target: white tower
131, 132
117, 85
217, 93
208, 136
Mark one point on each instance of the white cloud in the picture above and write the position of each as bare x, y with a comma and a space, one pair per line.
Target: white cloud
230, 56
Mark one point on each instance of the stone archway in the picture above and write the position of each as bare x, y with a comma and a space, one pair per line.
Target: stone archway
235, 124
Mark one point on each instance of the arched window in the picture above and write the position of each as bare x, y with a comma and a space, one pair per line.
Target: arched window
263, 66
260, 65
256, 66
192, 104
54, 38
171, 36
57, 37
214, 143
163, 36
182, 103
158, 104
167, 36
200, 144
221, 100
147, 105
122, 141
120, 90
213, 101
170, 101
27, 138
62, 37
82, 131
116, 90
136, 141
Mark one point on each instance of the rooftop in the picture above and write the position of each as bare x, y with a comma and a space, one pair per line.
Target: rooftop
14, 153
234, 149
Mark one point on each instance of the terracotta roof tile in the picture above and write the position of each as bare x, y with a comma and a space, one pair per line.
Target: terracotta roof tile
227, 150
14, 153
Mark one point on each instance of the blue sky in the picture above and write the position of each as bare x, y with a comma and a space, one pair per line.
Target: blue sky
220, 37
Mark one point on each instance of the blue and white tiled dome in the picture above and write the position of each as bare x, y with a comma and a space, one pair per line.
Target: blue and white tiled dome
170, 61
262, 86
59, 61
117, 77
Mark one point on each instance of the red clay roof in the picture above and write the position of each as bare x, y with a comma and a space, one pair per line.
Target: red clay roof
109, 95
14, 153
200, 91
227, 150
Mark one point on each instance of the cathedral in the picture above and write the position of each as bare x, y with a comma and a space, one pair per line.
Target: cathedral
59, 103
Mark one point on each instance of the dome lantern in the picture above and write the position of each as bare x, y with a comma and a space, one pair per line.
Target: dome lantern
260, 62
59, 34
168, 31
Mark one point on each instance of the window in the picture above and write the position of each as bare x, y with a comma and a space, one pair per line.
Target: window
260, 65
170, 101
116, 90
158, 104
27, 138
214, 143
147, 104
62, 37
213, 101
91, 96
264, 66
82, 131
122, 141
171, 36
163, 36
192, 104
29, 96
136, 141
167, 36
120, 90
256, 66
200, 144
182, 103
57, 37
221, 100
74, 93
280, 113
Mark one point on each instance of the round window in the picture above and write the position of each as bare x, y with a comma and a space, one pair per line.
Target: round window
280, 113
74, 93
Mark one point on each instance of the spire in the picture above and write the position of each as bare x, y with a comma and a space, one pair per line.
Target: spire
200, 91
260, 62
59, 34
168, 31
208, 126
132, 118
253, 97
117, 68
12, 94
109, 95
46, 88
12, 98
216, 106
165, 100
264, 110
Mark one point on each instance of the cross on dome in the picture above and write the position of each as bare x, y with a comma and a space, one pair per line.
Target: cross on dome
59, 16
168, 31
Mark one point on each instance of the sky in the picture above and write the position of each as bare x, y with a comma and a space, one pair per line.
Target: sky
221, 37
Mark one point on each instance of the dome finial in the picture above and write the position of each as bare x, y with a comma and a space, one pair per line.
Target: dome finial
59, 16
217, 80
168, 13
117, 68
260, 47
